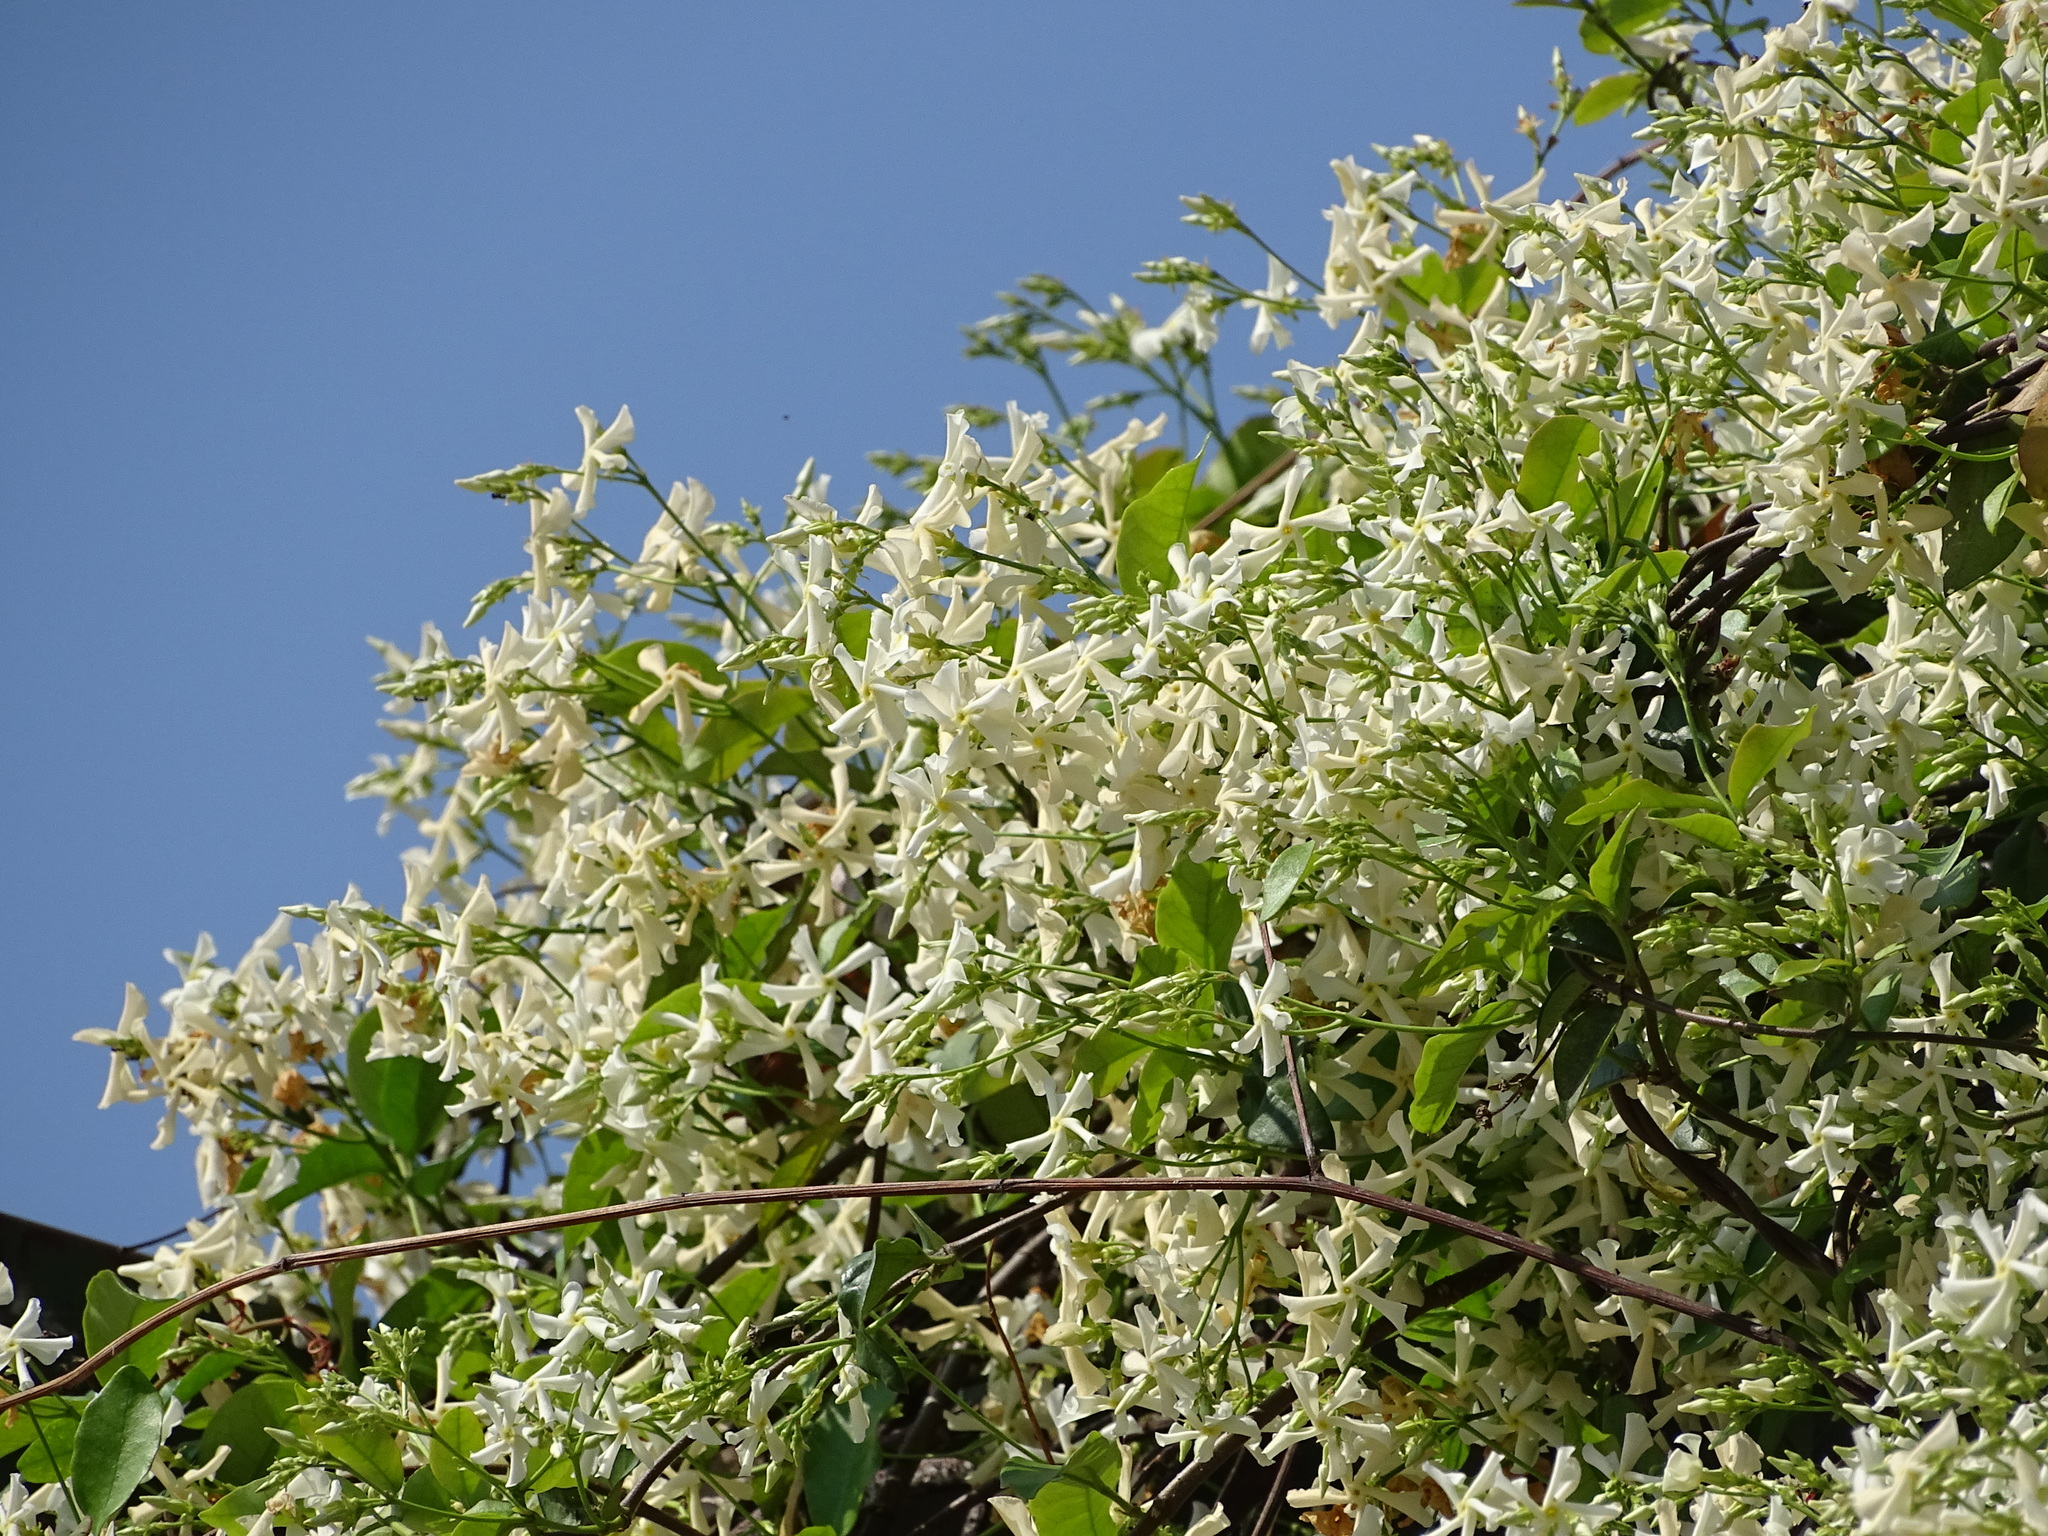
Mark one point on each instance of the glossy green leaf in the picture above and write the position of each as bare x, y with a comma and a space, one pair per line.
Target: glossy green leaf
1978, 535
597, 1154
1760, 751
1107, 1055
1445, 1059
1550, 464
1078, 1502
749, 719
117, 1439
1607, 880
1627, 17
244, 1422
1198, 914
42, 1433
375, 1457
1607, 96
233, 1513
1152, 525
838, 1467
1282, 876
111, 1309
458, 1436
869, 1276
402, 1096
1621, 795
333, 1160
1715, 831
1881, 1001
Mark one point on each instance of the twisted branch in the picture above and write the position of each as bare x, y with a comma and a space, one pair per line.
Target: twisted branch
918, 1189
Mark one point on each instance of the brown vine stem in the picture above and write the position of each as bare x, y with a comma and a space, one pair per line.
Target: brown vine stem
1902, 1036
1248, 490
923, 1189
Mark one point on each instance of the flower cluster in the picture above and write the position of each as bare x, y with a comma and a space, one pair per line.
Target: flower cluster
1573, 773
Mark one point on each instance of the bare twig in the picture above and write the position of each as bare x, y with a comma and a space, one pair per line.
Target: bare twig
1718, 1186
995, 1322
1906, 1036
1249, 489
921, 1189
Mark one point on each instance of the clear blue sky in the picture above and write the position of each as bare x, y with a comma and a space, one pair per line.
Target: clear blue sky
272, 276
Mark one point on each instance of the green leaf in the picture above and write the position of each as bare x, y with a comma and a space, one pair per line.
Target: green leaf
597, 1154
1282, 876
867, 1279
1107, 1055
1584, 933
243, 1423
1078, 1502
375, 1457
43, 1433
1445, 1058
1162, 1069
1198, 914
111, 1309
1025, 1475
1155, 961
1979, 535
402, 1096
738, 1301
1606, 96
1628, 17
749, 719
1152, 525
1623, 795
752, 950
452, 1455
333, 1160
117, 1439
1265, 1108
1882, 1000
1607, 880
1550, 464
1716, 831
433, 1299
837, 1468
1761, 749
1584, 1037
233, 1513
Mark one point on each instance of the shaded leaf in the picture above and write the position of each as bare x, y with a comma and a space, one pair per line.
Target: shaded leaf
867, 1279
837, 1467
1585, 1036
243, 1423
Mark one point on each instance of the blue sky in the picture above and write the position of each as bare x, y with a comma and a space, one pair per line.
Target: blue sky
271, 277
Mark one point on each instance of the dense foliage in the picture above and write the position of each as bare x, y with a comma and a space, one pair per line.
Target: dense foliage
1577, 765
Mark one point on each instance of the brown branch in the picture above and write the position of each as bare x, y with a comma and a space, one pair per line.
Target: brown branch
995, 1322
1908, 1036
1717, 1186
1249, 489
920, 1189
